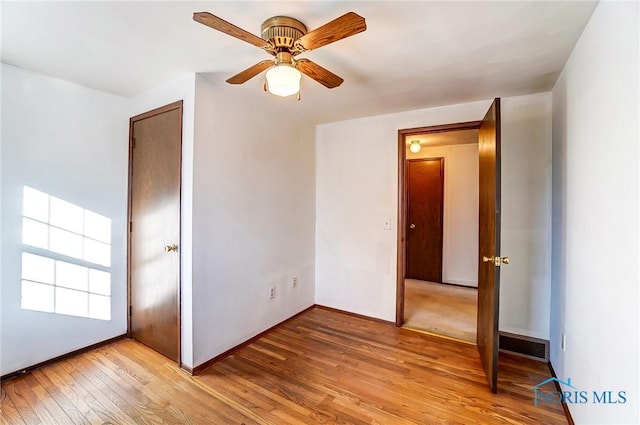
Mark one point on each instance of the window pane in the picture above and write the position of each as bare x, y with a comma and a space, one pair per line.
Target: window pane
99, 307
97, 226
66, 215
73, 303
36, 296
66, 243
37, 268
97, 252
99, 282
35, 233
35, 204
71, 276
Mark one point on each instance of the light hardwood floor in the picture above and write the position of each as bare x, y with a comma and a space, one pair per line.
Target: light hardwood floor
441, 309
321, 367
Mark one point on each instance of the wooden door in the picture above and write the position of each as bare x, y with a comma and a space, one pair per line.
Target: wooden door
154, 208
425, 200
489, 243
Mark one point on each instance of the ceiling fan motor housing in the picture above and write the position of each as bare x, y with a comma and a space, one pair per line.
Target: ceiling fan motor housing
283, 31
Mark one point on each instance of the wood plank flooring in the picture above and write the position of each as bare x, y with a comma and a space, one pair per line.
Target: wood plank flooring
441, 309
321, 367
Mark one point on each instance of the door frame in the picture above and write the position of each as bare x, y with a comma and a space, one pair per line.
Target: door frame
402, 202
166, 108
441, 160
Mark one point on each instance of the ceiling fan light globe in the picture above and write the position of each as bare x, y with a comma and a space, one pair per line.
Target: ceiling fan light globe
283, 80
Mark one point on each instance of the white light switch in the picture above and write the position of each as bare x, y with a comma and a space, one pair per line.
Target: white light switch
387, 224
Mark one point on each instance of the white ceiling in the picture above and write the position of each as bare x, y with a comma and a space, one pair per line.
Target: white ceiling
413, 54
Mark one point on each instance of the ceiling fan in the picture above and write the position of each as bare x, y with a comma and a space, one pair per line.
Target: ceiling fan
285, 38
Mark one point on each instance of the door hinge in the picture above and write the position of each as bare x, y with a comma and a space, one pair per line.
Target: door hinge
130, 310
130, 226
133, 143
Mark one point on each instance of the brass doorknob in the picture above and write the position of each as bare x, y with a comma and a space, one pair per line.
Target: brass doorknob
172, 247
497, 261
412, 226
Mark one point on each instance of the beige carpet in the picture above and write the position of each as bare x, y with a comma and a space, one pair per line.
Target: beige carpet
441, 309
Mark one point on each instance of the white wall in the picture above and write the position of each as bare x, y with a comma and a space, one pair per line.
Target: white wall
182, 88
253, 217
595, 214
70, 142
356, 190
460, 226
526, 215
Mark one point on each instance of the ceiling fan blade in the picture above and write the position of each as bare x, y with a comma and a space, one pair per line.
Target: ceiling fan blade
318, 73
342, 27
250, 72
219, 24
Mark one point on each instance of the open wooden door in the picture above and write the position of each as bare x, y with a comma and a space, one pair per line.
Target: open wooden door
489, 243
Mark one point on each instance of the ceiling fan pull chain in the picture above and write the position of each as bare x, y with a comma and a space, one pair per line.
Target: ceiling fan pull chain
298, 97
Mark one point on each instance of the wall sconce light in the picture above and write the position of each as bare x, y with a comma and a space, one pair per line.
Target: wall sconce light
415, 147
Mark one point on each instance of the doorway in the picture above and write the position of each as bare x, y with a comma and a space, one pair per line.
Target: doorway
489, 211
442, 232
154, 229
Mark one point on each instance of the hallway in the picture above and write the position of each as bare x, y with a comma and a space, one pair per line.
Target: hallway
441, 309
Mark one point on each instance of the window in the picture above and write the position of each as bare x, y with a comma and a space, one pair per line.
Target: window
69, 272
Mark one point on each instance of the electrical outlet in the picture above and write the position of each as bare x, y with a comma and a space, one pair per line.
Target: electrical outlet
563, 343
294, 281
272, 292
